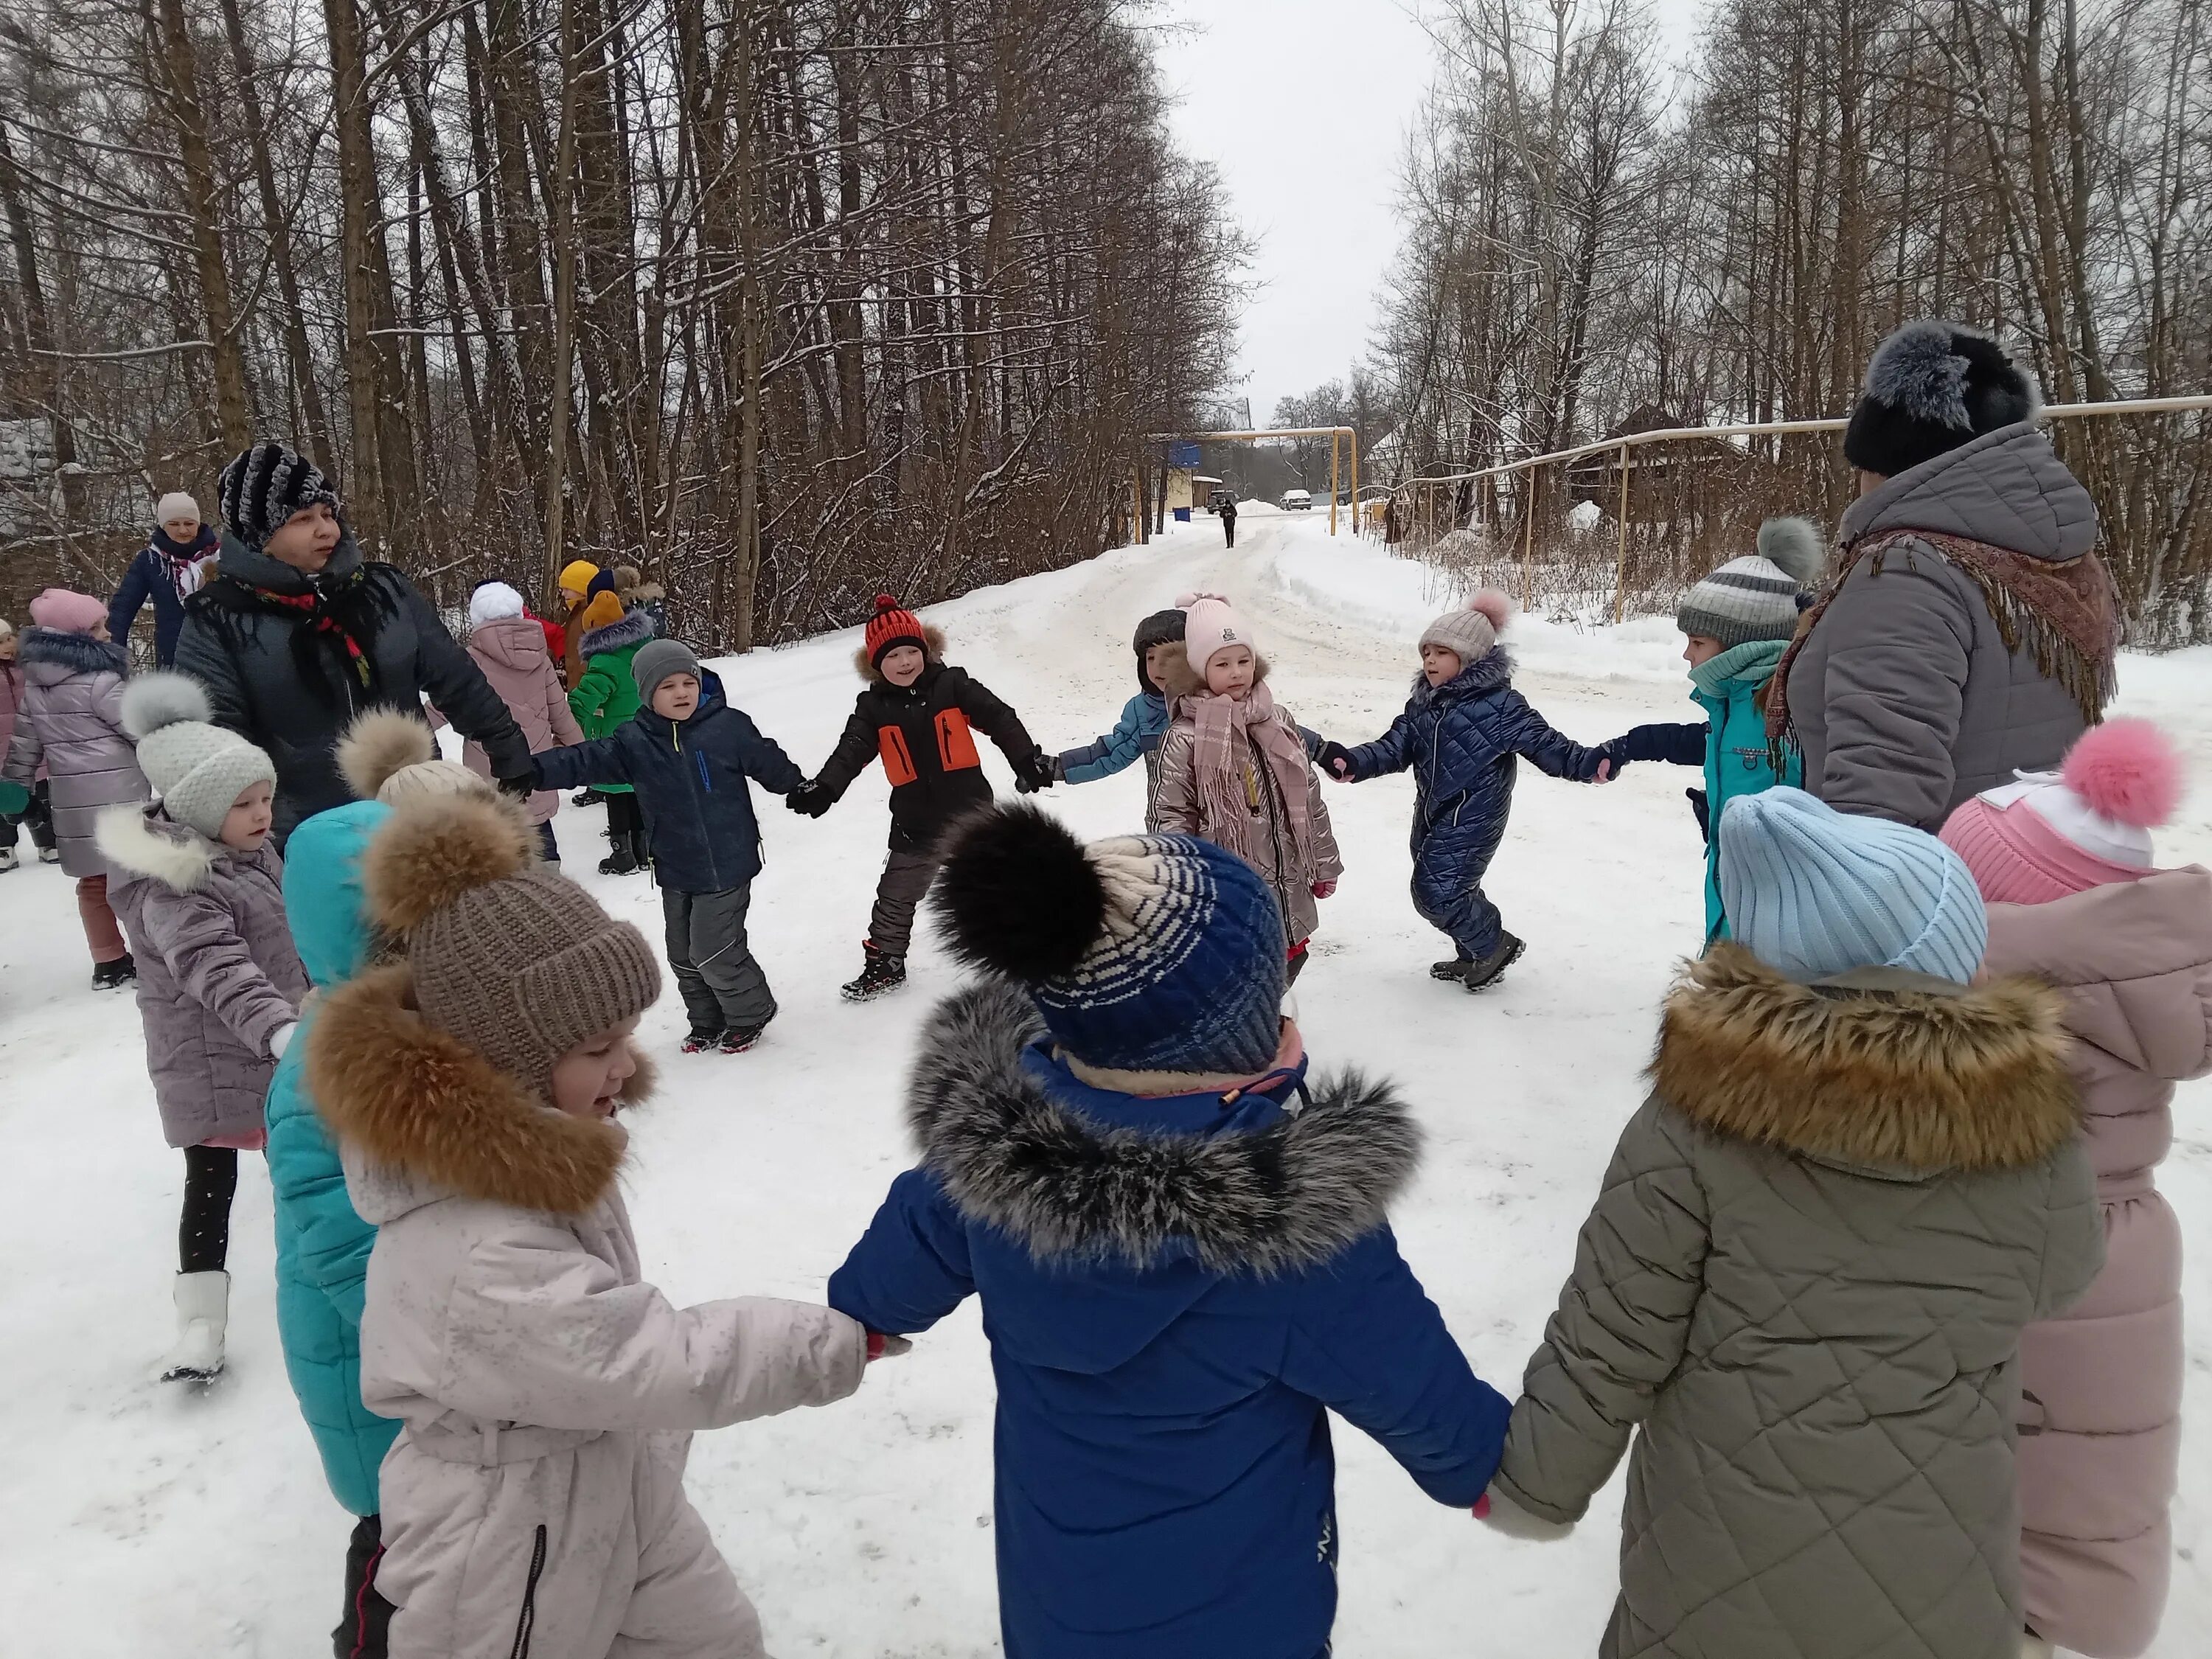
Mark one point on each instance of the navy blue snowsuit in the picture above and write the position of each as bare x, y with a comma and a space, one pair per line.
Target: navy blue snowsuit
1460, 739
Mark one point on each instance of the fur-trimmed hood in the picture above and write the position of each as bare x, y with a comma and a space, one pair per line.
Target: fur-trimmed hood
47, 654
1882, 1069
1184, 680
423, 1116
933, 652
1282, 1199
635, 628
144, 842
1490, 671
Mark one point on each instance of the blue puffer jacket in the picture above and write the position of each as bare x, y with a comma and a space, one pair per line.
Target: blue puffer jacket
153, 576
690, 780
322, 1245
1176, 1289
1144, 720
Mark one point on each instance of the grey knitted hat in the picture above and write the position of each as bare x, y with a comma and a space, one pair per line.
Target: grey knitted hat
656, 661
198, 769
506, 954
1756, 598
1471, 632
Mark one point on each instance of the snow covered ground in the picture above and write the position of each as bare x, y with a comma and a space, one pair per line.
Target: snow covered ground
141, 1517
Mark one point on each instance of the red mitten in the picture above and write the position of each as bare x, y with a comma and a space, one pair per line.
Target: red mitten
1322, 889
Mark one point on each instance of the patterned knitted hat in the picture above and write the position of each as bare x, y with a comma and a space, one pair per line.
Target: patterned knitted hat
263, 486
2088, 824
1930, 388
1144, 953
1813, 893
1471, 632
198, 769
657, 660
892, 626
388, 755
1756, 598
513, 958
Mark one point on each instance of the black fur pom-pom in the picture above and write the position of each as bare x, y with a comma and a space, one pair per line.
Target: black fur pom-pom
1017, 896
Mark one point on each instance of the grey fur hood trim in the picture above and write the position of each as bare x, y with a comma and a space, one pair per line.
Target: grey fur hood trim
635, 628
1278, 1201
73, 653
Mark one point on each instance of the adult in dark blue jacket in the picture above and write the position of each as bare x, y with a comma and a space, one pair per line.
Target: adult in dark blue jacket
687, 756
1181, 1247
1462, 733
168, 572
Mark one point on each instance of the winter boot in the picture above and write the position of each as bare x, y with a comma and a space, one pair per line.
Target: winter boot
1454, 968
738, 1038
7, 859
203, 1312
878, 974
641, 854
581, 798
107, 975
697, 1043
623, 861
50, 855
1481, 975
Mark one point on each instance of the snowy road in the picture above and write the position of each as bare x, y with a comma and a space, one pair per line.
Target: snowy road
141, 1518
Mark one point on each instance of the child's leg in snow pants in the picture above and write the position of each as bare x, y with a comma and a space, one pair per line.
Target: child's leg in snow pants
1448, 872
724, 988
905, 884
203, 1228
102, 931
361, 1633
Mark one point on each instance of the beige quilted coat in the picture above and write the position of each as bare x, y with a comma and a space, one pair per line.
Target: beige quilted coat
533, 1504
1805, 1280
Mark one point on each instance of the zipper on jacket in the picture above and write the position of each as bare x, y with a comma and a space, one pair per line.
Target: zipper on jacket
528, 1620
707, 782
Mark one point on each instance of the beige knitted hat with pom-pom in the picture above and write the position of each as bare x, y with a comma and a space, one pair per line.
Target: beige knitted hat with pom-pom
390, 755
511, 958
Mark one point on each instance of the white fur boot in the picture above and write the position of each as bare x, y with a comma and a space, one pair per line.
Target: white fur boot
203, 1312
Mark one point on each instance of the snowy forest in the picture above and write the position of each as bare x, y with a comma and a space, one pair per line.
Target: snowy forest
798, 298
1591, 245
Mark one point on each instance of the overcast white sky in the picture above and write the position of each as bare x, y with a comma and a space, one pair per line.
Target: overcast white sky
1303, 105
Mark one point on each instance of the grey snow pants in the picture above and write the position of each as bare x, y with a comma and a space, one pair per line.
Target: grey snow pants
905, 884
723, 987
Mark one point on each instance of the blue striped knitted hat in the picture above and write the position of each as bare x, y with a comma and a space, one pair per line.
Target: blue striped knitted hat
1813, 891
1143, 953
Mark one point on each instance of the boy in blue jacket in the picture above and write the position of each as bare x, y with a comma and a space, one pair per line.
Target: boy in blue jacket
1144, 718
687, 756
1181, 1244
1737, 625
1461, 732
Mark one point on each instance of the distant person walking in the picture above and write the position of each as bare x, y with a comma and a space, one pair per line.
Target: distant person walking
168, 571
1229, 520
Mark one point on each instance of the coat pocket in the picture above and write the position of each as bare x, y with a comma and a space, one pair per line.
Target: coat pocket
955, 743
898, 759
526, 1620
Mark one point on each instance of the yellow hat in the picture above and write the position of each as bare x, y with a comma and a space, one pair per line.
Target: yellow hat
603, 609
576, 575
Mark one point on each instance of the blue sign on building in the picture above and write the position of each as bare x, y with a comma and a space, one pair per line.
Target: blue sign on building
1182, 454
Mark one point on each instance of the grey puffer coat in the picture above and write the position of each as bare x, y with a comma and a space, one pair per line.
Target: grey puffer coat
1806, 1278
217, 974
1904, 698
70, 721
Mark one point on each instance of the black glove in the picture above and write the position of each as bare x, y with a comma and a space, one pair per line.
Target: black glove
1698, 805
810, 799
1033, 772
1331, 753
521, 785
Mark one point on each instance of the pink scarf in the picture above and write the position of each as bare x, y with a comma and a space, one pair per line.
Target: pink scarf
1219, 761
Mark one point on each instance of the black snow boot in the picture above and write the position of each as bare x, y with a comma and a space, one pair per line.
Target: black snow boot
697, 1043
1484, 973
1455, 967
879, 974
107, 975
623, 861
738, 1038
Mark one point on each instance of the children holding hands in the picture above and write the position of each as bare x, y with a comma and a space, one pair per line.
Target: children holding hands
1143, 722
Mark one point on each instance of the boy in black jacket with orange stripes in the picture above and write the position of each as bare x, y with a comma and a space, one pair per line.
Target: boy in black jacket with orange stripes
920, 716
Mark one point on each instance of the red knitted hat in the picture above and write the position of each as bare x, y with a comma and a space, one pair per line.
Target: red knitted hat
892, 626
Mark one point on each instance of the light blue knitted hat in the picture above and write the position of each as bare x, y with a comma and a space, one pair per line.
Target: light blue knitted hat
1813, 891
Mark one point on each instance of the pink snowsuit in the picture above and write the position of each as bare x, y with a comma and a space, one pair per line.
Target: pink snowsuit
2100, 1413
534, 1500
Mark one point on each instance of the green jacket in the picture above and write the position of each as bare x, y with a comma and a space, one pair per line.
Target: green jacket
606, 694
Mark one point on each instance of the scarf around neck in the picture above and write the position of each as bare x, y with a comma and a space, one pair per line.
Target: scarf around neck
180, 560
1219, 761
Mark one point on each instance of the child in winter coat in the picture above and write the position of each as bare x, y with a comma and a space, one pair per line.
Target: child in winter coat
1857, 1179
534, 1500
169, 569
511, 647
604, 697
1736, 623
920, 715
2064, 860
1460, 733
1182, 1243
199, 887
1144, 720
1234, 768
34, 811
689, 758
68, 726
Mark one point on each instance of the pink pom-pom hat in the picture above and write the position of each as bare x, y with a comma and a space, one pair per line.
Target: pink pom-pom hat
1212, 624
2088, 824
1471, 632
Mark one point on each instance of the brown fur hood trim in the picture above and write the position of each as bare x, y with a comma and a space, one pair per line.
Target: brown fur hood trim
1184, 680
1906, 1074
933, 651
419, 1102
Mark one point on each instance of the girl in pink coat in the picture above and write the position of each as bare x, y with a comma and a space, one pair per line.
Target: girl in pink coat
2064, 860
510, 645
533, 1503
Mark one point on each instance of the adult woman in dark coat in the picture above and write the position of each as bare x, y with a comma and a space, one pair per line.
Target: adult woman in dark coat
298, 633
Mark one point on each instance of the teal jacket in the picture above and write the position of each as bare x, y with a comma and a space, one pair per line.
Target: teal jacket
322, 1246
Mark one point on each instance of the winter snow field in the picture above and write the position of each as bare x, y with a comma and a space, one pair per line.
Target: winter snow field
143, 1517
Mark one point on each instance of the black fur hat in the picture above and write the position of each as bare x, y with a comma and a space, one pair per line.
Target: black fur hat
1930, 388
1161, 628
264, 486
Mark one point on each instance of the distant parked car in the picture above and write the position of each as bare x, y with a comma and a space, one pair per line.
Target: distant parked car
1297, 501
1217, 496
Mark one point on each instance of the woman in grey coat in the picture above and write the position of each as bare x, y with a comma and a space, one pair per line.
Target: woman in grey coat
1855, 1182
297, 634
69, 723
1972, 629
